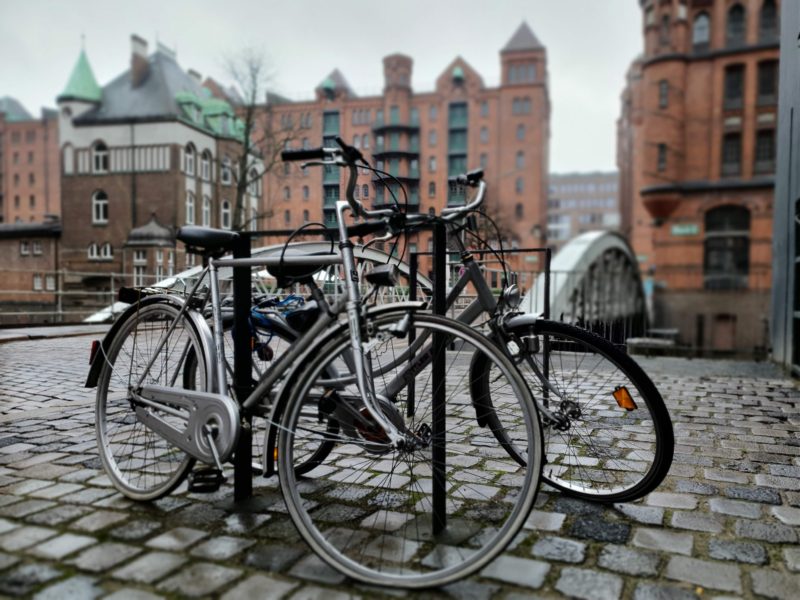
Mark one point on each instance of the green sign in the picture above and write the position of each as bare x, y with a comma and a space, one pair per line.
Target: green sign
680, 229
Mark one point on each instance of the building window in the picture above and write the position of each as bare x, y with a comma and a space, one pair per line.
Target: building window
520, 160
50, 282
663, 36
662, 158
189, 208
36, 247
432, 189
765, 152
287, 217
254, 183
225, 172
365, 141
206, 211
106, 252
365, 191
734, 86
732, 154
768, 82
287, 193
518, 210
736, 27
99, 208
484, 108
37, 282
24, 248
701, 32
484, 135
484, 160
521, 106
31, 178
521, 132
768, 22
99, 158
188, 159
93, 252
663, 93
205, 165
225, 215
305, 216
726, 258
32, 201
433, 112
357, 141
432, 164
30, 158
306, 192
518, 185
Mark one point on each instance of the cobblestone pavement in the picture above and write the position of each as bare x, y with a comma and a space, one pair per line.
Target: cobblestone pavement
724, 524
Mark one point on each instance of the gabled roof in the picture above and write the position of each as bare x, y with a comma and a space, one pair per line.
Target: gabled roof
13, 110
82, 85
151, 233
523, 39
336, 81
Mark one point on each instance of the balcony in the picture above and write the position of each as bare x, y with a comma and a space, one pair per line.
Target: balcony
381, 127
330, 175
384, 151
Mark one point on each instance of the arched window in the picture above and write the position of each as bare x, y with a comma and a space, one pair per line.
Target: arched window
106, 251
663, 36
701, 32
520, 160
518, 185
225, 215
768, 22
521, 132
307, 193
93, 251
357, 141
188, 159
100, 158
726, 260
518, 210
225, 173
432, 189
287, 217
365, 141
736, 27
365, 191
484, 135
206, 211
663, 93
287, 193
305, 216
189, 208
99, 207
205, 166
254, 183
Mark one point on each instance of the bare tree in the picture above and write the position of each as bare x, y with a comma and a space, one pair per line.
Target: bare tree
262, 138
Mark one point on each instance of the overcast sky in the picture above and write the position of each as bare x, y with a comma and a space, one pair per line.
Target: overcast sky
590, 44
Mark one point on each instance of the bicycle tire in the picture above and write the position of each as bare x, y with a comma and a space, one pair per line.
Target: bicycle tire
139, 462
365, 510
588, 460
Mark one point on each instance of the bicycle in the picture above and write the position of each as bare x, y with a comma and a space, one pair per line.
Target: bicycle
412, 476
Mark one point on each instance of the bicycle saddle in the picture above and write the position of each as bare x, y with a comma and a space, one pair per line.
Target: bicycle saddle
206, 239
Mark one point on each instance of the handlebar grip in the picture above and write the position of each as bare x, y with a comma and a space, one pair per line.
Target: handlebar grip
470, 178
310, 154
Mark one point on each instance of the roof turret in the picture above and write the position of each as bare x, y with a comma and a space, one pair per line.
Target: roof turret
522, 40
82, 85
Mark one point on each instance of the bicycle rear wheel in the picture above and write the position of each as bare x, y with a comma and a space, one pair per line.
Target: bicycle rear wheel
368, 510
139, 462
617, 442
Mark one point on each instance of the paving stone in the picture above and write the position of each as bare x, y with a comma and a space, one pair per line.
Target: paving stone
63, 545
775, 533
791, 557
650, 591
6, 560
786, 514
763, 495
670, 500
695, 487
746, 552
544, 521
736, 508
201, 579
589, 585
776, 481
25, 508
58, 514
595, 528
625, 560
23, 579
6, 526
261, 587
177, 539
714, 575
666, 541
573, 506
221, 547
25, 537
104, 556
562, 549
74, 588
696, 521
200, 515
135, 530
132, 594
151, 567
245, 523
311, 568
648, 515
775, 585
725, 476
97, 520
319, 593
273, 557
517, 571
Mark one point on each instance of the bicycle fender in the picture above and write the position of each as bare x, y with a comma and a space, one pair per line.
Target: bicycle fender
271, 440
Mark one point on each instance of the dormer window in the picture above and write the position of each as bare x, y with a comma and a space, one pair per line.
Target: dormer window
100, 158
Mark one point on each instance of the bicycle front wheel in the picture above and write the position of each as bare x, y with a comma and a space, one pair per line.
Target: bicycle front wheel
138, 461
615, 441
434, 510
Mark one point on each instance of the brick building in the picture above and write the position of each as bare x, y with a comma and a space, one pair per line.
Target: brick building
29, 174
581, 202
697, 153
150, 151
424, 137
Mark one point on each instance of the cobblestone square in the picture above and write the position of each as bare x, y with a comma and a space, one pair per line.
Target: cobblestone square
724, 524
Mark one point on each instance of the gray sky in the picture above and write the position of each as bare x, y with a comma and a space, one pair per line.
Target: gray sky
590, 44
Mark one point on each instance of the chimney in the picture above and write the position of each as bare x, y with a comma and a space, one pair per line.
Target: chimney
196, 76
139, 64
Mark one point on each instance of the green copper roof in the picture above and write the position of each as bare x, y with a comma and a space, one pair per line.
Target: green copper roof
82, 85
329, 84
458, 72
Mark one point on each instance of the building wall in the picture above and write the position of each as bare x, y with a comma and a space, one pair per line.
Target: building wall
688, 115
30, 272
29, 175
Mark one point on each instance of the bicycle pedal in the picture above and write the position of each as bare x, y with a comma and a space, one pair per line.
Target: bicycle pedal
205, 480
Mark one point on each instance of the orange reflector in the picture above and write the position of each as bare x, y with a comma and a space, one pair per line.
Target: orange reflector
275, 454
623, 398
